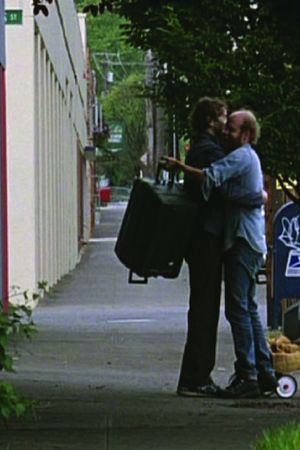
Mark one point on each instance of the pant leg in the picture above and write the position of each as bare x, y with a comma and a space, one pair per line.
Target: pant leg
241, 265
263, 354
204, 262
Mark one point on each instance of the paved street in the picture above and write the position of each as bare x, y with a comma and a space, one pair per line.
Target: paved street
105, 362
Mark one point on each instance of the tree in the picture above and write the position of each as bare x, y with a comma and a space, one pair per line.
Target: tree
125, 104
110, 50
244, 50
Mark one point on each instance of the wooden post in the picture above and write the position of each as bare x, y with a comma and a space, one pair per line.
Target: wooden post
275, 200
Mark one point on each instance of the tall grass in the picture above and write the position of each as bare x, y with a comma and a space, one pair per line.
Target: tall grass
286, 437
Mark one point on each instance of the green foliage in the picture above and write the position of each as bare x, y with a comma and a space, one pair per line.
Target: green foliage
286, 437
11, 404
16, 323
111, 51
125, 104
244, 50
247, 51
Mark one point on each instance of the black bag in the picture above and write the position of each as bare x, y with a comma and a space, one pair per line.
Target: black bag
156, 229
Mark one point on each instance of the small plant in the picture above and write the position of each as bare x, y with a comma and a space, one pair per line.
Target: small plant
11, 404
14, 324
286, 437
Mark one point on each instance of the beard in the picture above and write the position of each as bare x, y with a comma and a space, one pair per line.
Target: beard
225, 143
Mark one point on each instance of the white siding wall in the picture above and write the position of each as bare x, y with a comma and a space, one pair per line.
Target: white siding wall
46, 120
2, 36
20, 149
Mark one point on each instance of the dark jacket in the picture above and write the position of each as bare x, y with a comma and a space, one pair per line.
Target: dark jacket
204, 152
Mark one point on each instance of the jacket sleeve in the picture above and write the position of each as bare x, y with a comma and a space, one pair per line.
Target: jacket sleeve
233, 192
233, 165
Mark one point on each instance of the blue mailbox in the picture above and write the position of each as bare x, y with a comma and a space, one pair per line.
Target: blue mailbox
286, 257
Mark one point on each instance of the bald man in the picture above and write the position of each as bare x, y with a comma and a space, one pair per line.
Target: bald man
244, 246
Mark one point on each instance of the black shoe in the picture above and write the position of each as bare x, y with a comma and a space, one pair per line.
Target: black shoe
206, 390
240, 388
267, 383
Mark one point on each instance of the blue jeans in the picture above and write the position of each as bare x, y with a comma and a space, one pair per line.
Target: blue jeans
253, 357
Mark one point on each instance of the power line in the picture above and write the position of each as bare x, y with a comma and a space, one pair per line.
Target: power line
107, 59
99, 69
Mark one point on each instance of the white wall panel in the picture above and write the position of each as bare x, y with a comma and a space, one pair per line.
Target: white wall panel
61, 31
47, 118
2, 35
21, 151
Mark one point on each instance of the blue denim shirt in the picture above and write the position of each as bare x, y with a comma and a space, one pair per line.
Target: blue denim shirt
242, 169
211, 215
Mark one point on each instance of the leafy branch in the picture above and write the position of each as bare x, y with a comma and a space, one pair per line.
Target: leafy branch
39, 6
95, 9
289, 187
15, 323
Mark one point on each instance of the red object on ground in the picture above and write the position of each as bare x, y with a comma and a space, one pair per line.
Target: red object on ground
105, 194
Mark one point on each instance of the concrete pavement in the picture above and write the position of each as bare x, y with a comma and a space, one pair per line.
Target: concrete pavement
105, 362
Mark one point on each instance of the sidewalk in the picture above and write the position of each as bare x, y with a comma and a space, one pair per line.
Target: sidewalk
105, 362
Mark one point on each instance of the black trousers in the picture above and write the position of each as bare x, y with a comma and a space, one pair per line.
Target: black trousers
205, 275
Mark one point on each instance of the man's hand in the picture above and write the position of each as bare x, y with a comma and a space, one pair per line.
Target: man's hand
170, 163
174, 164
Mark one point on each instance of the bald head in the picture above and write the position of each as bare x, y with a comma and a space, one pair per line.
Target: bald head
247, 123
241, 128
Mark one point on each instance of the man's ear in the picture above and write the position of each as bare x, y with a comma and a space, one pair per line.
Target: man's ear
246, 136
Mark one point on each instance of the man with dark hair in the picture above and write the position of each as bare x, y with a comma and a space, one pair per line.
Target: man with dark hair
204, 258
204, 112
244, 246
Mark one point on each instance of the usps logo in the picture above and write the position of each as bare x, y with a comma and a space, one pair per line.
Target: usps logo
290, 237
293, 264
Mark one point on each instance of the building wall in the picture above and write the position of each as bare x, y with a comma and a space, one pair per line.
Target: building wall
3, 171
88, 179
2, 35
46, 127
